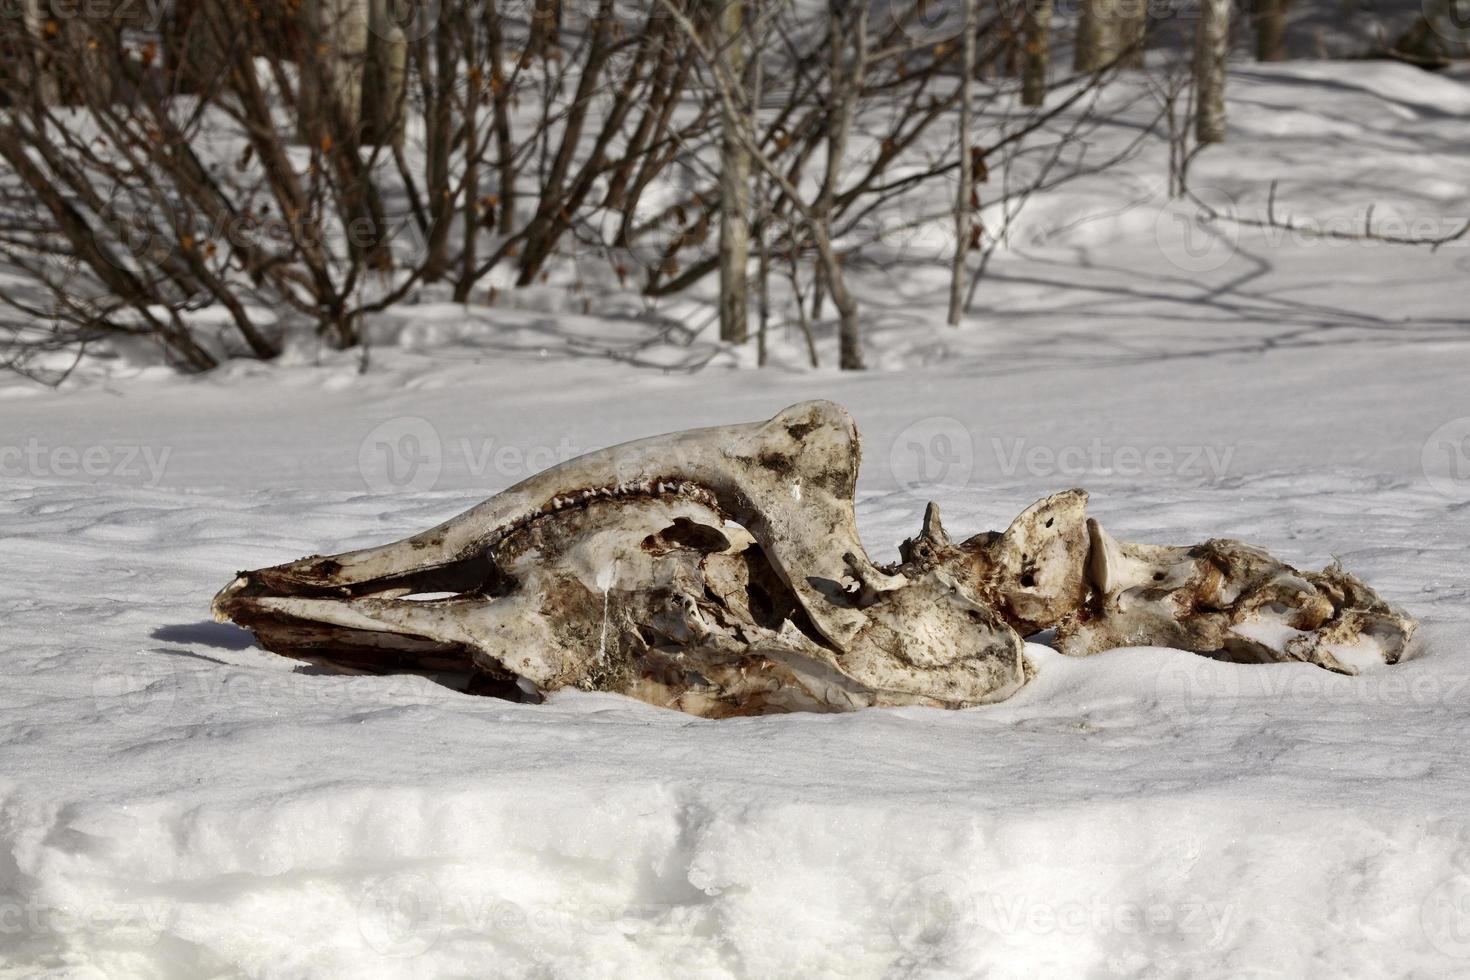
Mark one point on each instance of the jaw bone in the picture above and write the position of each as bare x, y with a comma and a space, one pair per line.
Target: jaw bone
719, 571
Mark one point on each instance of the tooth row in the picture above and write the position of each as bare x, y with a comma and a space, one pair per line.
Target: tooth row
631, 488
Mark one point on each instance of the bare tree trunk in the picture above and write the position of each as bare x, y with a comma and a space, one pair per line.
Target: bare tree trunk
962, 209
385, 78
801, 318
47, 86
1096, 35
500, 108
395, 83
734, 186
1210, 52
439, 134
763, 296
477, 86
1132, 28
845, 85
545, 28
819, 291
1036, 26
849, 329
343, 26
762, 205
1271, 30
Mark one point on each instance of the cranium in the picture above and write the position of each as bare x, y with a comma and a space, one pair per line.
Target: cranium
719, 571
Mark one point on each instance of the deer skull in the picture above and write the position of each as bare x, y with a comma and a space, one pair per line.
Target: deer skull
719, 571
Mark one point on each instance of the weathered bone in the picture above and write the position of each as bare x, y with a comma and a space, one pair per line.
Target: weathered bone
720, 571
584, 576
1232, 599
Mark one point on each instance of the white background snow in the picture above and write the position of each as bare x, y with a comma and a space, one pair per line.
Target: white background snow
176, 802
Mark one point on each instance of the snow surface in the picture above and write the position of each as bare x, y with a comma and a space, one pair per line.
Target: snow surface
176, 802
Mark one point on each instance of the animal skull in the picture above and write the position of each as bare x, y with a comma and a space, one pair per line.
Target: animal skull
719, 571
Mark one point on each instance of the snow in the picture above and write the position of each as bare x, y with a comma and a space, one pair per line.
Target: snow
176, 802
